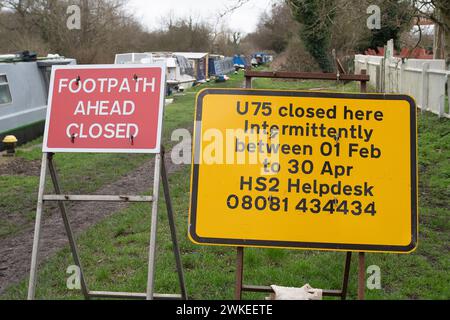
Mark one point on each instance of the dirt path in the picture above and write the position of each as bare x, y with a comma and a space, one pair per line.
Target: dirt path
15, 252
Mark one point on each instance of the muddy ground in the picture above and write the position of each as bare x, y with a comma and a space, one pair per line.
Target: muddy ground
19, 166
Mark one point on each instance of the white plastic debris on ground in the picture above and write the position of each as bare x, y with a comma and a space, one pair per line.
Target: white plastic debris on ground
304, 293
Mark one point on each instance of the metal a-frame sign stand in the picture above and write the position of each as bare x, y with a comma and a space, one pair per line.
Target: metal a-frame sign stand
60, 198
160, 172
363, 78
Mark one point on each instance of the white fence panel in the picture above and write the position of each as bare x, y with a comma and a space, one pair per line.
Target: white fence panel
425, 80
412, 84
436, 91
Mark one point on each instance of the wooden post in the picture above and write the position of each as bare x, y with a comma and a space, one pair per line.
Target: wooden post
248, 79
363, 83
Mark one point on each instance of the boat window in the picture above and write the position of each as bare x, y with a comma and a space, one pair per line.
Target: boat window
5, 94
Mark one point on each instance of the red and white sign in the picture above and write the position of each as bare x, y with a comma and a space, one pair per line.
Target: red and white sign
105, 108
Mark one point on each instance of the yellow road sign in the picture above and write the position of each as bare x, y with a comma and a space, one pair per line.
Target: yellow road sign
308, 170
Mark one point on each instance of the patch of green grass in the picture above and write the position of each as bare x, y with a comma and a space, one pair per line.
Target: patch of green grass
114, 252
262, 83
17, 190
434, 160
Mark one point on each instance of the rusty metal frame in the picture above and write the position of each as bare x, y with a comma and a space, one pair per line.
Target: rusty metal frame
240, 287
363, 78
160, 172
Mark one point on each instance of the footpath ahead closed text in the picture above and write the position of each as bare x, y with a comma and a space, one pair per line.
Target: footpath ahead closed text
105, 109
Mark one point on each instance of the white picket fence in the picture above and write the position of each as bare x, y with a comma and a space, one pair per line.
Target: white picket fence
425, 80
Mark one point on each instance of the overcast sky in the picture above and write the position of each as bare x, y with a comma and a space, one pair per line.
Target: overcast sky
243, 19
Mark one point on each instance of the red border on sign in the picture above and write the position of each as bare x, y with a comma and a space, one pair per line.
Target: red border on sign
147, 116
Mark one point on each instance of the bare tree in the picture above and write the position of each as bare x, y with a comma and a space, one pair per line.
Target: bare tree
105, 28
275, 29
220, 31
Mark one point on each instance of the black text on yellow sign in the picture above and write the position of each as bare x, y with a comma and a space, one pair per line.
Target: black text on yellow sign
308, 170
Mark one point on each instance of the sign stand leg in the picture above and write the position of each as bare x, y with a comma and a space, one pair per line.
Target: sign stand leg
239, 273
173, 230
361, 275
348, 262
37, 230
69, 232
153, 230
